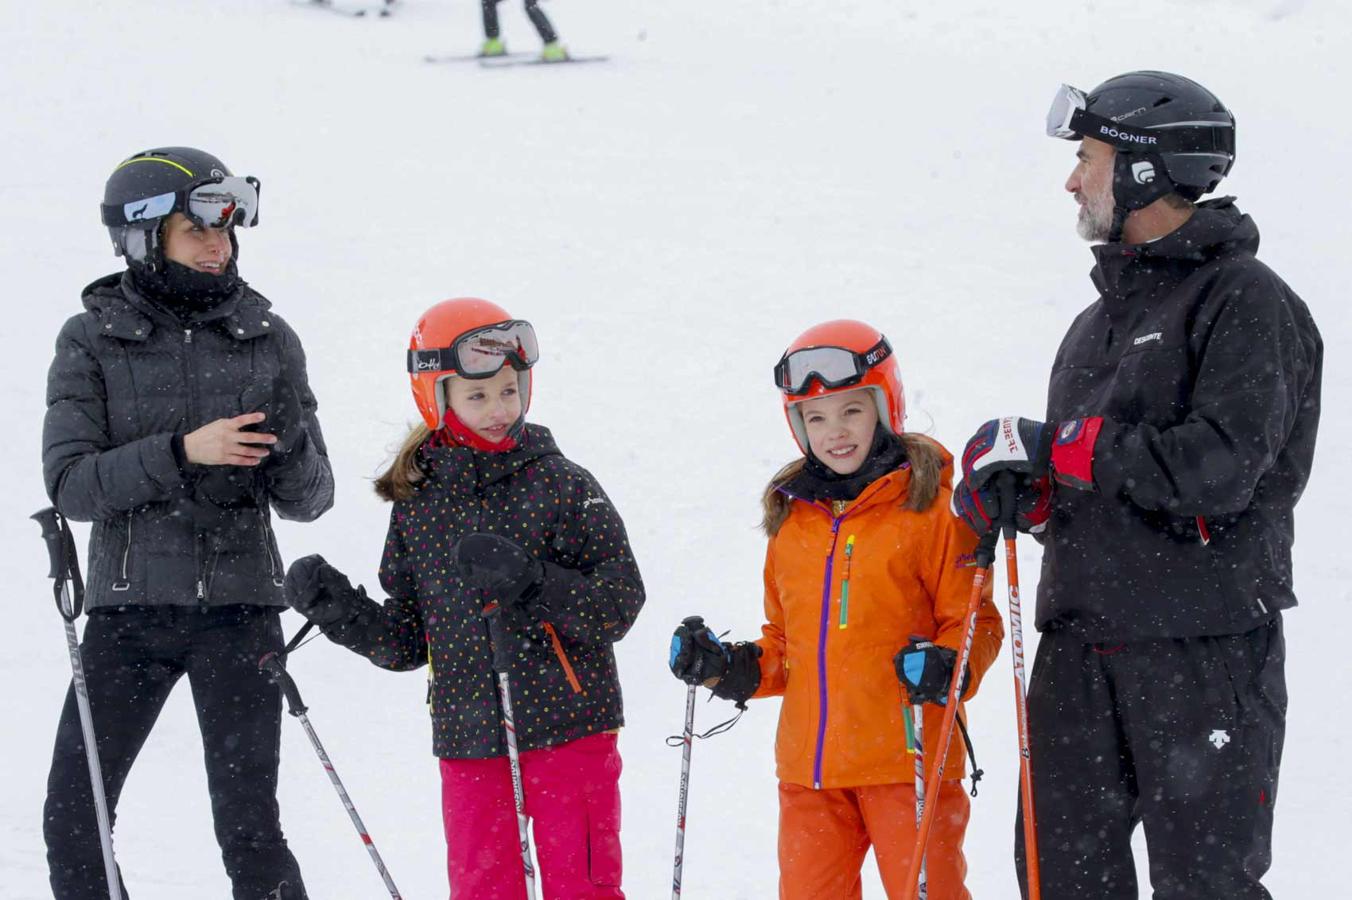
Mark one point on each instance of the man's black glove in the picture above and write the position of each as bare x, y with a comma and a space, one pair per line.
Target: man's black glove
980, 507
321, 593
926, 671
698, 657
499, 566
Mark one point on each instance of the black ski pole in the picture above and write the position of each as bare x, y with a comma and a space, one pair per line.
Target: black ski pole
502, 661
272, 664
68, 588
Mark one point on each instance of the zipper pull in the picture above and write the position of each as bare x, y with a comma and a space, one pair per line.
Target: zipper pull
201, 590
845, 585
187, 335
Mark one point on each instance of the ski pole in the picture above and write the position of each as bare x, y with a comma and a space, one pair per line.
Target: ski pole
687, 740
68, 588
502, 661
985, 557
1031, 863
272, 664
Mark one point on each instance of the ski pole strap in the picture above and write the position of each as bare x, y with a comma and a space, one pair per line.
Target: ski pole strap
971, 754
677, 740
297, 639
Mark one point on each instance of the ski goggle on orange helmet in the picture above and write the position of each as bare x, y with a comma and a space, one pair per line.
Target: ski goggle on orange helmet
469, 338
838, 356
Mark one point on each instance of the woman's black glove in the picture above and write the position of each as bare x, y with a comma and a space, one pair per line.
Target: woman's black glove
499, 566
321, 593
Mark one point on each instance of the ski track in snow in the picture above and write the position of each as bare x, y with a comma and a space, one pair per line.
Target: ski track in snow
668, 221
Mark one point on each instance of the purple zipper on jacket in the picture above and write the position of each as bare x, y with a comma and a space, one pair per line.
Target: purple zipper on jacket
821, 651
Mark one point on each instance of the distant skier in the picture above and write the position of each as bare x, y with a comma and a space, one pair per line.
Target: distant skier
864, 557
487, 509
1181, 427
493, 44
152, 399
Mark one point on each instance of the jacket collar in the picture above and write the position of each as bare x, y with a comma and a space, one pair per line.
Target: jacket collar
1129, 276
464, 469
123, 313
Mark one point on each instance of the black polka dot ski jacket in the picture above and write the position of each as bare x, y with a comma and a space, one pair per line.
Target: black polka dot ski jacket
563, 676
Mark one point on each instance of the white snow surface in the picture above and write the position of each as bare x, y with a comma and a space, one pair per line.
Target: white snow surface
669, 220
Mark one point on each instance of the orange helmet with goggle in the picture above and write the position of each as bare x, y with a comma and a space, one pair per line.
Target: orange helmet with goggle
838, 356
469, 338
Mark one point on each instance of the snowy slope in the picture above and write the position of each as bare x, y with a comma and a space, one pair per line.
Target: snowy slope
668, 220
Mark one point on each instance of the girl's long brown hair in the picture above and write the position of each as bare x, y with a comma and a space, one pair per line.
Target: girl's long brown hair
922, 453
401, 478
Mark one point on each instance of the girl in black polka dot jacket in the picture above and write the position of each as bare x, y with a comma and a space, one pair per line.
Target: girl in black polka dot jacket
487, 509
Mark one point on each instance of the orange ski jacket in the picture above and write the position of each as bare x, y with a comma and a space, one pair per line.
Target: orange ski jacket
845, 589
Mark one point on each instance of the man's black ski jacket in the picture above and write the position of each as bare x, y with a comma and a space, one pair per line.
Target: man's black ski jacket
1205, 368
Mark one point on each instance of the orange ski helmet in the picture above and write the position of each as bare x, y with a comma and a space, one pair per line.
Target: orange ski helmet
838, 356
471, 338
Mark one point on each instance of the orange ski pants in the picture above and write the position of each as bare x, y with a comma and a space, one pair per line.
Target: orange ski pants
824, 835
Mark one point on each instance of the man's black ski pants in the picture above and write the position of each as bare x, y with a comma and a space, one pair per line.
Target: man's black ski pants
133, 656
1182, 736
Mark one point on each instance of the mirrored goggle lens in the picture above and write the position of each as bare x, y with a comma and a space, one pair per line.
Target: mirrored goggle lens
1060, 117
229, 201
486, 351
833, 366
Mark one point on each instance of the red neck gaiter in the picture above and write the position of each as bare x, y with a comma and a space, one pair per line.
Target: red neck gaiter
455, 433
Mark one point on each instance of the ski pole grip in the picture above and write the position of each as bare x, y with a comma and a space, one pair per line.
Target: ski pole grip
272, 664
1009, 500
51, 536
985, 549
694, 623
497, 638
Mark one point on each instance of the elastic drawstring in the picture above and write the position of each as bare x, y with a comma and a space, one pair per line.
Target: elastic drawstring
971, 754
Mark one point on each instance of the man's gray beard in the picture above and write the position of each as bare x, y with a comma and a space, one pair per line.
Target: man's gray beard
1094, 225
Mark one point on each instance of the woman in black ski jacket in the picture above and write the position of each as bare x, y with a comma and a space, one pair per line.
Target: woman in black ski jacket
491, 520
150, 400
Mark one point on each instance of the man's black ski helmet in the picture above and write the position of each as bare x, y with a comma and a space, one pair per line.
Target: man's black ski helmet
146, 176
1171, 135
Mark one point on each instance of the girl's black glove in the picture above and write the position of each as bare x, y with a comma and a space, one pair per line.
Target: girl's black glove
698, 656
321, 593
499, 566
926, 671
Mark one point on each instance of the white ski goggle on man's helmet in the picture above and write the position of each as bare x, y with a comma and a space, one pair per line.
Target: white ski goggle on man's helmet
1062, 115
219, 202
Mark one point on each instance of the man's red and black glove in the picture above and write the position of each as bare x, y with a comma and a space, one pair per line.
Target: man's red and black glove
1031, 452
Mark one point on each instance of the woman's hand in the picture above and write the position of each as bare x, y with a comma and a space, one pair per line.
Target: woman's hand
224, 442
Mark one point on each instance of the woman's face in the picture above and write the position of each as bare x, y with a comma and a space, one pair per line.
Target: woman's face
200, 249
840, 428
489, 407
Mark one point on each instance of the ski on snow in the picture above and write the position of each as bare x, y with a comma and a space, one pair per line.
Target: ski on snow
498, 62
355, 10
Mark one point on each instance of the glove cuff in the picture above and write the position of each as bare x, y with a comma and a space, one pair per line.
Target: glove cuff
742, 676
1072, 453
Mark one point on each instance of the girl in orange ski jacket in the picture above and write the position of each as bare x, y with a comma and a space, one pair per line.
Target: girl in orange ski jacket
864, 555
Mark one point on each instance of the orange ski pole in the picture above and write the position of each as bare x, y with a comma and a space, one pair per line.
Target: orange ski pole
1007, 506
985, 557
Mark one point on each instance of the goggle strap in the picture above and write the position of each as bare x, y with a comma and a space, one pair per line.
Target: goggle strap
1201, 138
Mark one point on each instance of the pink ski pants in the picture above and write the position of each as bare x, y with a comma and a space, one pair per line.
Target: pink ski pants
573, 800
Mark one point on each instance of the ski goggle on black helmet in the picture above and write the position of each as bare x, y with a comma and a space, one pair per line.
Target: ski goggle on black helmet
1069, 118
211, 200
481, 352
